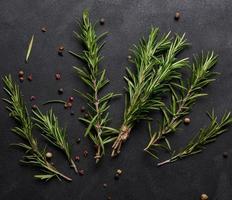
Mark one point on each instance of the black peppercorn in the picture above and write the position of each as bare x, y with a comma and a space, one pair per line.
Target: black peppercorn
116, 176
61, 91
177, 16
78, 140
102, 21
82, 109
225, 154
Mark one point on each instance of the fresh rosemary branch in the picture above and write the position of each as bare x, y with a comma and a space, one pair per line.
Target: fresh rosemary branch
183, 98
156, 67
205, 136
49, 125
34, 156
97, 121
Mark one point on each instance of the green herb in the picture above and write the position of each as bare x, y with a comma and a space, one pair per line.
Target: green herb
54, 101
29, 48
49, 125
205, 136
92, 76
182, 99
156, 67
33, 155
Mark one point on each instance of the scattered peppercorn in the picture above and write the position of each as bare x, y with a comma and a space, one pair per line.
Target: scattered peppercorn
225, 155
116, 176
109, 198
82, 109
72, 112
61, 48
21, 73
29, 78
60, 53
177, 16
85, 153
69, 104
102, 21
44, 29
78, 140
32, 98
129, 57
119, 171
21, 79
81, 172
187, 120
57, 76
65, 105
86, 115
77, 158
71, 99
49, 155
104, 185
204, 197
34, 107
61, 91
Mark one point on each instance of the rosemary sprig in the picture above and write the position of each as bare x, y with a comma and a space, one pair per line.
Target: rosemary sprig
156, 67
51, 130
29, 48
182, 99
92, 76
205, 136
34, 156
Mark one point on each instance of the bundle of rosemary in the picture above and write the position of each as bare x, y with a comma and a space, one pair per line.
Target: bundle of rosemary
183, 97
205, 136
156, 67
33, 154
97, 121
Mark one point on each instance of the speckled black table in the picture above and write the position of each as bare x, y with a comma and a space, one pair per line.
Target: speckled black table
208, 26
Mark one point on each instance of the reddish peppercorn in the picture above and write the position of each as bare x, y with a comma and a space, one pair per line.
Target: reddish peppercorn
177, 16
61, 48
21, 79
21, 73
187, 120
57, 76
82, 109
77, 158
71, 99
69, 104
85, 153
81, 172
32, 98
29, 78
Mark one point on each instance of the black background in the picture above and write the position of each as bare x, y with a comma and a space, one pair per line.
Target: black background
208, 26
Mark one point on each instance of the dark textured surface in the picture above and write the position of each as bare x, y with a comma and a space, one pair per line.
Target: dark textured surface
207, 24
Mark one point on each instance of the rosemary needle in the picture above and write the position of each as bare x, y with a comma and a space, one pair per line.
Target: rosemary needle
97, 121
51, 130
33, 155
205, 136
183, 97
29, 48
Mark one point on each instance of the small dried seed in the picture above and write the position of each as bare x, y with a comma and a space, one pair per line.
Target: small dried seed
102, 21
21, 79
85, 153
60, 53
187, 120
86, 115
82, 109
129, 57
77, 158
44, 29
81, 172
34, 107
225, 155
72, 112
29, 78
32, 98
109, 198
116, 176
177, 16
78, 140
61, 48
58, 76
119, 171
204, 197
61, 91
104, 185
69, 104
49, 155
71, 99
21, 73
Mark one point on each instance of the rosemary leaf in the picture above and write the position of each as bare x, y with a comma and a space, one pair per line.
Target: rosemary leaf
183, 97
52, 132
33, 155
97, 120
29, 48
156, 66
205, 136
